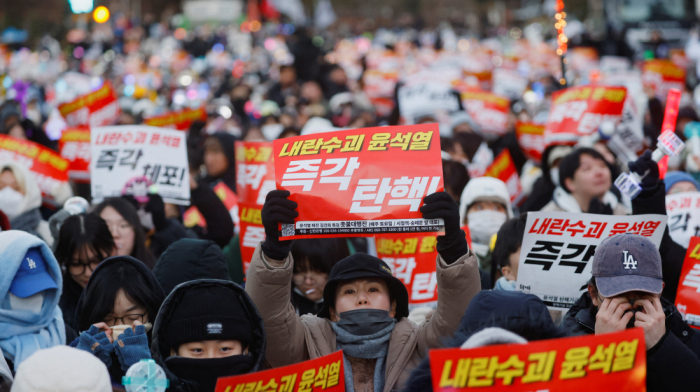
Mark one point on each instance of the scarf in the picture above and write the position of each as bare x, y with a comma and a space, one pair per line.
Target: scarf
374, 346
27, 221
504, 284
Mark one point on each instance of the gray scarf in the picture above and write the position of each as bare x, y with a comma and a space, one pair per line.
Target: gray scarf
371, 346
27, 222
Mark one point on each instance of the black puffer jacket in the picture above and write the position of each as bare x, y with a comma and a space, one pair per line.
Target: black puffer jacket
672, 365
160, 351
189, 259
523, 314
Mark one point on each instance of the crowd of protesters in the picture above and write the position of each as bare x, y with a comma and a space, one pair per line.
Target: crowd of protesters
88, 290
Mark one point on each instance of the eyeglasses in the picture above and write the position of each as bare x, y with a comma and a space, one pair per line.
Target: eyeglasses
80, 268
126, 320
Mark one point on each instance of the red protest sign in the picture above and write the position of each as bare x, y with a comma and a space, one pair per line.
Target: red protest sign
177, 120
412, 259
504, 169
255, 171
489, 111
662, 76
74, 146
531, 139
95, 109
360, 182
252, 231
49, 169
611, 362
578, 111
673, 102
688, 295
320, 374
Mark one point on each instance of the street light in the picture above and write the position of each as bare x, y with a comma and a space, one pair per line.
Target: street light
101, 14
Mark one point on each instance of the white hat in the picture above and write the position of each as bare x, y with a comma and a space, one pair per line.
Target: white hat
62, 369
483, 189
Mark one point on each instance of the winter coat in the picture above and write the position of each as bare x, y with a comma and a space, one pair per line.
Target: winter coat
673, 364
565, 202
159, 240
28, 218
189, 259
160, 351
69, 302
294, 338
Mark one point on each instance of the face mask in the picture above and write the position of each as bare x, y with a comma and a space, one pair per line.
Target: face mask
33, 303
484, 224
206, 371
363, 322
10, 202
554, 174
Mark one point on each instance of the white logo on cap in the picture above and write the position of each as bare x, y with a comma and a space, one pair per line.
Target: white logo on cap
31, 263
629, 261
214, 328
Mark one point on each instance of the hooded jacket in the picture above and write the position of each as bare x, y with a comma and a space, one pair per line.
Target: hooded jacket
190, 259
229, 176
28, 218
160, 351
673, 364
294, 338
565, 202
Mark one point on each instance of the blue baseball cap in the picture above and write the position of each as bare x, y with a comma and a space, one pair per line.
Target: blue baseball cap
32, 276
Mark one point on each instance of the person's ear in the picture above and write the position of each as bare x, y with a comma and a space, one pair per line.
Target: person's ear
569, 182
334, 315
594, 295
392, 312
507, 271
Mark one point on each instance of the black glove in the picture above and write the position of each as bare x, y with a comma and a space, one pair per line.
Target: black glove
645, 165
156, 207
598, 207
453, 244
277, 209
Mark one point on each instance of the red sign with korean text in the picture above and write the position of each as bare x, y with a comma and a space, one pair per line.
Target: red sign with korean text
177, 120
252, 231
663, 75
531, 139
609, 362
504, 169
255, 171
96, 109
360, 182
74, 146
578, 111
321, 374
688, 295
489, 111
50, 170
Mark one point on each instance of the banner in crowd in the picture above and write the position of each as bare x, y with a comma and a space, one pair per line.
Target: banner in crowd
663, 75
132, 152
255, 171
180, 120
252, 231
193, 217
609, 362
504, 169
320, 374
556, 256
688, 294
96, 109
426, 99
509, 83
50, 170
531, 139
683, 210
74, 146
578, 111
489, 111
412, 259
360, 182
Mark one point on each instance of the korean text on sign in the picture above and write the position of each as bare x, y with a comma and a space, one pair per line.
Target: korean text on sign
613, 362
74, 146
683, 210
252, 231
360, 182
255, 171
124, 153
320, 374
177, 120
96, 109
688, 295
558, 249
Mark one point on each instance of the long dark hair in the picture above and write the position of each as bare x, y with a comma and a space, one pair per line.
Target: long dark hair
115, 275
128, 212
82, 233
318, 254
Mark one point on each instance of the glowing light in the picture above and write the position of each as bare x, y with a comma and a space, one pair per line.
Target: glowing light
245, 27
101, 14
255, 26
218, 48
225, 112
270, 44
180, 33
463, 44
78, 52
185, 80
129, 90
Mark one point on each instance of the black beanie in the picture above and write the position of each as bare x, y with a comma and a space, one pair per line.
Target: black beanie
208, 313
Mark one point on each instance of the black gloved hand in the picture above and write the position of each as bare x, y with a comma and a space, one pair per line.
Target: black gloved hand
156, 207
598, 207
453, 244
277, 209
645, 165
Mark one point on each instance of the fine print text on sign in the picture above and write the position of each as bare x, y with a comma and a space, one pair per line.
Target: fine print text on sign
360, 182
556, 256
123, 154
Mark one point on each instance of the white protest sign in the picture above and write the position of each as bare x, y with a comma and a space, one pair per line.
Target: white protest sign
426, 99
557, 252
683, 210
509, 83
128, 153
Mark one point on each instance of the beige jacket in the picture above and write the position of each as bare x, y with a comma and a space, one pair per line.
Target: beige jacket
292, 339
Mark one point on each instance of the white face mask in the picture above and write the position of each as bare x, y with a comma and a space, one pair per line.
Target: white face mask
554, 174
11, 202
484, 224
33, 303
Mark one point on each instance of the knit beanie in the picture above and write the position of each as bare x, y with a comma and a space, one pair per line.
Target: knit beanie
674, 177
62, 369
208, 313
